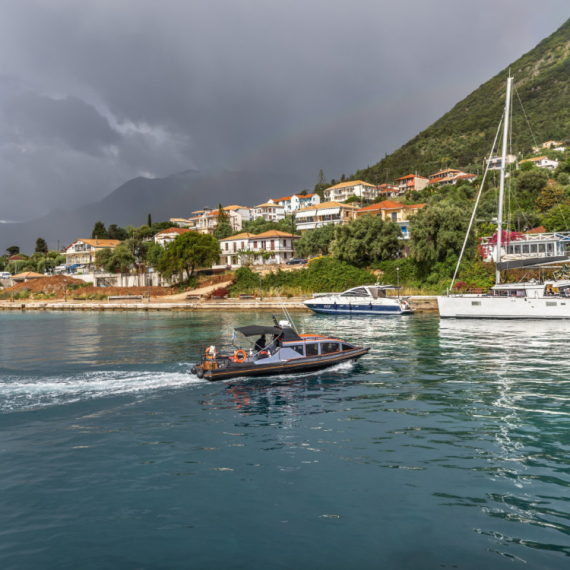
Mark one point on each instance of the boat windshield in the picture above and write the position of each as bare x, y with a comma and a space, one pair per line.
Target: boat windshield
356, 292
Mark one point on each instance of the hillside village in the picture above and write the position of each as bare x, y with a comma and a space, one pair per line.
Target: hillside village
287, 231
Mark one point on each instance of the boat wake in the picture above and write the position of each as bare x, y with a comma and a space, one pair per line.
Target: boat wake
24, 393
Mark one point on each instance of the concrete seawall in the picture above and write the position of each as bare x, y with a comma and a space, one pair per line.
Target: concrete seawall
420, 303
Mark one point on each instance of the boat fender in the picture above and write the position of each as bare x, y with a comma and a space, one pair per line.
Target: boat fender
240, 356
193, 370
200, 372
211, 353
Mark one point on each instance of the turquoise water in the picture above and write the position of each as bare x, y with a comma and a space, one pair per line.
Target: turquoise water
446, 447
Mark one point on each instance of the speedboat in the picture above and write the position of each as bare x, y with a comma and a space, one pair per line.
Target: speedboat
365, 300
288, 351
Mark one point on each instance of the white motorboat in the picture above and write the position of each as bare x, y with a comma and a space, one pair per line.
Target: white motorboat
364, 300
548, 299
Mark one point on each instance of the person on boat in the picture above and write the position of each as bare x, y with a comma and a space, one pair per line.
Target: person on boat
260, 343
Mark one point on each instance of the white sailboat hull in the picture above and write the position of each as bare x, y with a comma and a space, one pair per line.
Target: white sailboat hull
482, 307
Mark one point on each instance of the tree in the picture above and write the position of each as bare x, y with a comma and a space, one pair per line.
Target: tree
315, 242
99, 231
437, 233
116, 232
222, 215
149, 221
102, 257
223, 230
13, 250
154, 254
121, 259
368, 238
321, 184
551, 196
41, 246
557, 219
186, 252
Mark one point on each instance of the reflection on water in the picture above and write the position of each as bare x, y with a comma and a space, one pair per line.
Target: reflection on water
447, 445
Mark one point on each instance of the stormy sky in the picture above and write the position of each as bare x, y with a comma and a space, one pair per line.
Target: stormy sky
95, 92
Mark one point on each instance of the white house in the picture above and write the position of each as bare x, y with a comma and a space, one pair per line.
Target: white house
324, 214
345, 190
411, 182
269, 211
81, 253
296, 202
272, 247
496, 161
164, 237
542, 162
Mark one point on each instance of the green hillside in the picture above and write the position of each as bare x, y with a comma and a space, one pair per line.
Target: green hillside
464, 135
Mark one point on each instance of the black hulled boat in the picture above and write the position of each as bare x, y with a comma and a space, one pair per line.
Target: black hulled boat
287, 351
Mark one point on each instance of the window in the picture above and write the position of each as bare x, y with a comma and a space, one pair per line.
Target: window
242, 245
394, 216
312, 349
284, 243
347, 347
329, 347
298, 348
476, 303
235, 246
254, 245
272, 245
227, 245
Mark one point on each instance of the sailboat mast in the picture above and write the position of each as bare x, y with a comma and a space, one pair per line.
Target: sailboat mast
502, 184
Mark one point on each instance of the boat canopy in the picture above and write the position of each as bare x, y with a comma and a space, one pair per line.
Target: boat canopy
255, 330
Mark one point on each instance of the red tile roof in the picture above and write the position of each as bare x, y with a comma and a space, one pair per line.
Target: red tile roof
175, 231
539, 230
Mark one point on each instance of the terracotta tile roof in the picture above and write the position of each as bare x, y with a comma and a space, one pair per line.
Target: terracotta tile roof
442, 172
325, 205
236, 208
284, 199
306, 195
268, 234
269, 205
27, 275
351, 183
389, 205
533, 159
539, 230
16, 258
410, 176
98, 243
174, 231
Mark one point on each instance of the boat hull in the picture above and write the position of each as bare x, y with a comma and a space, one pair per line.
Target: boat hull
365, 309
481, 307
297, 365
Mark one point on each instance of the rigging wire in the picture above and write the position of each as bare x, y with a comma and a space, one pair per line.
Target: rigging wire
476, 203
525, 116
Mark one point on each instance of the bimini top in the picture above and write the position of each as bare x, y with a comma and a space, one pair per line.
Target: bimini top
254, 330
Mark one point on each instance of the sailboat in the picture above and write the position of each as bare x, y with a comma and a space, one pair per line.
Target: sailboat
535, 299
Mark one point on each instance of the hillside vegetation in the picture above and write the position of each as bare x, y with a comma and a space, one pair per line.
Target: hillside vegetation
464, 135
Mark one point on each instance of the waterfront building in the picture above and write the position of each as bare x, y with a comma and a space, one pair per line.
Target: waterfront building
269, 248
81, 253
411, 182
324, 214
393, 212
345, 190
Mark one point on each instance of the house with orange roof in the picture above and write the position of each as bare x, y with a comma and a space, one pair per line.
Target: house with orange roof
388, 191
324, 214
411, 182
164, 237
269, 211
392, 212
81, 253
541, 162
269, 248
450, 176
296, 201
345, 190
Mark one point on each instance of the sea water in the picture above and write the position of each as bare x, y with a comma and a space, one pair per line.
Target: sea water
447, 446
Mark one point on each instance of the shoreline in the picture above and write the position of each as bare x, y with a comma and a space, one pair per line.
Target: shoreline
421, 304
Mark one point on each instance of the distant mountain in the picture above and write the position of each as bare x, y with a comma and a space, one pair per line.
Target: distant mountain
175, 196
464, 135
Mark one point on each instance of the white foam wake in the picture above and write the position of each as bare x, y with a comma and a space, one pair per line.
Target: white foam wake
24, 393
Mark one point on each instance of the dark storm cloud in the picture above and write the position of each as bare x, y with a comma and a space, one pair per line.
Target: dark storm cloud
94, 93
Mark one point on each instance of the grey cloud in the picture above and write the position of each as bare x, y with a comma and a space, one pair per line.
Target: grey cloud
273, 86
